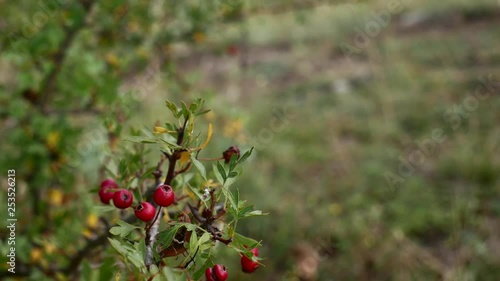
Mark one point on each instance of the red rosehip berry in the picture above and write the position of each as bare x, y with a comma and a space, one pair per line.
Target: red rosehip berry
230, 152
220, 272
216, 273
123, 198
209, 274
232, 50
145, 211
248, 265
164, 195
106, 193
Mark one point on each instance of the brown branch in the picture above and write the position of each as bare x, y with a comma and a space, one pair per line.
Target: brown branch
49, 84
152, 230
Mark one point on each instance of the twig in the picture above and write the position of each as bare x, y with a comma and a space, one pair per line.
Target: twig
153, 229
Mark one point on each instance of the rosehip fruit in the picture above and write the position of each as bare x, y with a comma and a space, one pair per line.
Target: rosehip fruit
220, 272
123, 198
145, 211
164, 195
230, 152
209, 274
248, 265
216, 273
104, 193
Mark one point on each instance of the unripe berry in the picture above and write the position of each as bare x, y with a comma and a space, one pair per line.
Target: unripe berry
248, 265
104, 193
230, 152
123, 198
164, 195
145, 211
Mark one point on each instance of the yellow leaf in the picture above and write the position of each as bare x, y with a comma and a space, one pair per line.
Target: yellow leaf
199, 37
49, 248
53, 140
161, 130
56, 197
189, 193
87, 233
112, 59
92, 221
185, 156
209, 136
36, 255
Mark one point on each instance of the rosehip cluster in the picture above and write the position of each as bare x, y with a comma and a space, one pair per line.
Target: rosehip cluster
122, 199
216, 273
230, 152
248, 265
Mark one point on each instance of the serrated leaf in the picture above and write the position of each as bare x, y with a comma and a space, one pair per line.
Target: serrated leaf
200, 167
245, 241
118, 246
165, 237
245, 155
185, 111
123, 229
170, 105
203, 112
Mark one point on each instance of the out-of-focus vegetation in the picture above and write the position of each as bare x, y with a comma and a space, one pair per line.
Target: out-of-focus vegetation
380, 163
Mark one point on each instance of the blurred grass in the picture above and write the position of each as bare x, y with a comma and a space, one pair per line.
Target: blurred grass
322, 176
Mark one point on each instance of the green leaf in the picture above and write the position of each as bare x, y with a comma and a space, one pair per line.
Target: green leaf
227, 193
193, 242
246, 155
138, 139
218, 176
199, 166
243, 241
170, 105
196, 191
222, 172
203, 112
118, 246
165, 237
123, 229
185, 111
232, 162
201, 271
103, 209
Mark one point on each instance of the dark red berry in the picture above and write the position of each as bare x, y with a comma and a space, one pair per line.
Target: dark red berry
123, 198
216, 273
164, 195
107, 190
145, 211
209, 274
248, 265
220, 272
230, 152
232, 50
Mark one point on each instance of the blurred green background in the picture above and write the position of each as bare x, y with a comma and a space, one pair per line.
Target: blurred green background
376, 124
